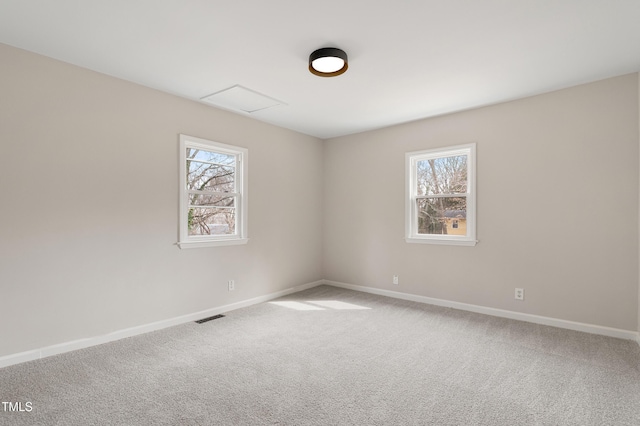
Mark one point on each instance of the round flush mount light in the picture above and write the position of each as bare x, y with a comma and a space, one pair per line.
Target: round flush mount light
328, 62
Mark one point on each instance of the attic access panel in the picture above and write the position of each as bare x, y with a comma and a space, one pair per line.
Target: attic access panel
239, 98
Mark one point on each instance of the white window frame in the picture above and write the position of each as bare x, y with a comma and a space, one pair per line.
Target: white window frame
411, 196
241, 179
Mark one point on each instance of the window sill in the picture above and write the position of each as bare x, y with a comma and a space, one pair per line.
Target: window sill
441, 241
212, 243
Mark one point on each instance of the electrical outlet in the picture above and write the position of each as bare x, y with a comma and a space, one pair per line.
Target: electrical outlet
232, 285
395, 279
519, 294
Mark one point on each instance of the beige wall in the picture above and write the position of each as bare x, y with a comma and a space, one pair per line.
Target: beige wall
557, 207
89, 210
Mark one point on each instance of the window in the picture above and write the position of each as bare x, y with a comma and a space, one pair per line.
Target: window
213, 193
440, 196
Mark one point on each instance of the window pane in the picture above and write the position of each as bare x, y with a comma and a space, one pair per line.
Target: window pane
210, 177
212, 221
212, 157
444, 216
447, 175
212, 200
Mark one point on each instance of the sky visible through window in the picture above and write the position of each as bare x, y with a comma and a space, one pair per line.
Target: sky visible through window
212, 192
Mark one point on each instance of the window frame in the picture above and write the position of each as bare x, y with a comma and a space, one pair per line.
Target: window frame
241, 202
411, 196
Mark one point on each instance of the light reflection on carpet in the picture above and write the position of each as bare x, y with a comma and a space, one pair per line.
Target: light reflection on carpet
318, 305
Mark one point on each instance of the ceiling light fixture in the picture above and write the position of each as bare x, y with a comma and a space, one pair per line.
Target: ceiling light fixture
328, 62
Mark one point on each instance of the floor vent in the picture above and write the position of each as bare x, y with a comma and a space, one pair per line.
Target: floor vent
209, 319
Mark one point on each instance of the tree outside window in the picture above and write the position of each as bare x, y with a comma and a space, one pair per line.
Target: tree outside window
213, 193
441, 196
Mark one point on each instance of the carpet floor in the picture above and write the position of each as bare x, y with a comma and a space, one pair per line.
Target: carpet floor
329, 356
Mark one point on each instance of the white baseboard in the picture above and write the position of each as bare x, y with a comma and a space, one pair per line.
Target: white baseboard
554, 322
31, 355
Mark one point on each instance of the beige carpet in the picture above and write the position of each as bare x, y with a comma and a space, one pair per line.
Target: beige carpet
329, 356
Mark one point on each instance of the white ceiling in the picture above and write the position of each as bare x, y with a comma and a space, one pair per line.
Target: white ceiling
408, 59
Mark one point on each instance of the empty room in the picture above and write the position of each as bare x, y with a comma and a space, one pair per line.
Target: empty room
335, 213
